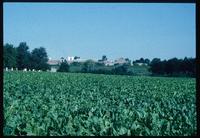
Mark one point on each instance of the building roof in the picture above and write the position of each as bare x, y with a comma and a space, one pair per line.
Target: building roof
53, 62
120, 60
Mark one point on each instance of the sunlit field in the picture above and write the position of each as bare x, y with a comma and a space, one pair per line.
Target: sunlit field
75, 104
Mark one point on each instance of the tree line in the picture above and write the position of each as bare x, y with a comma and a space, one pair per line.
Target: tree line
90, 66
20, 57
174, 67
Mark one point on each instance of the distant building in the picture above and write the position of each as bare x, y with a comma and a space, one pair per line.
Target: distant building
109, 63
75, 59
112, 63
54, 64
79, 60
141, 64
120, 61
70, 58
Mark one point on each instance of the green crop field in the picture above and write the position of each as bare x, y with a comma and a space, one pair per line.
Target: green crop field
44, 103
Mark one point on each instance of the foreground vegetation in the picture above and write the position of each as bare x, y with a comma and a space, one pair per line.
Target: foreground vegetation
87, 104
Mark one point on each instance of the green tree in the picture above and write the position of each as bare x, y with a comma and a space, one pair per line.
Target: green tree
23, 56
88, 66
141, 60
39, 59
76, 64
76, 57
155, 65
62, 59
121, 69
99, 64
64, 67
189, 66
9, 56
172, 66
128, 61
134, 62
147, 61
104, 58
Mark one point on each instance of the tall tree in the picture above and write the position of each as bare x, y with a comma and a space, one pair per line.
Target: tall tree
174, 67
9, 56
155, 65
64, 67
23, 56
62, 59
88, 66
141, 60
39, 59
104, 58
121, 69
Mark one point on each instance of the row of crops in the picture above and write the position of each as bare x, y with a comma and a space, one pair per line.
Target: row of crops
76, 104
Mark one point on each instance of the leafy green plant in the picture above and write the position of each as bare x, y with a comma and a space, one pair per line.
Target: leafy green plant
70, 104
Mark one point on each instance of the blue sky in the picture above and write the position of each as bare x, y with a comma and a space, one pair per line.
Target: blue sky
90, 30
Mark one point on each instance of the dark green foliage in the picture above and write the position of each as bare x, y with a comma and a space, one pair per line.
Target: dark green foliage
104, 58
9, 56
39, 59
98, 64
76, 57
156, 65
174, 67
100, 68
147, 61
141, 60
121, 69
64, 67
23, 56
88, 66
128, 61
75, 64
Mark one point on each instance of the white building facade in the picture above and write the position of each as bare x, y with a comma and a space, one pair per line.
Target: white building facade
70, 58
